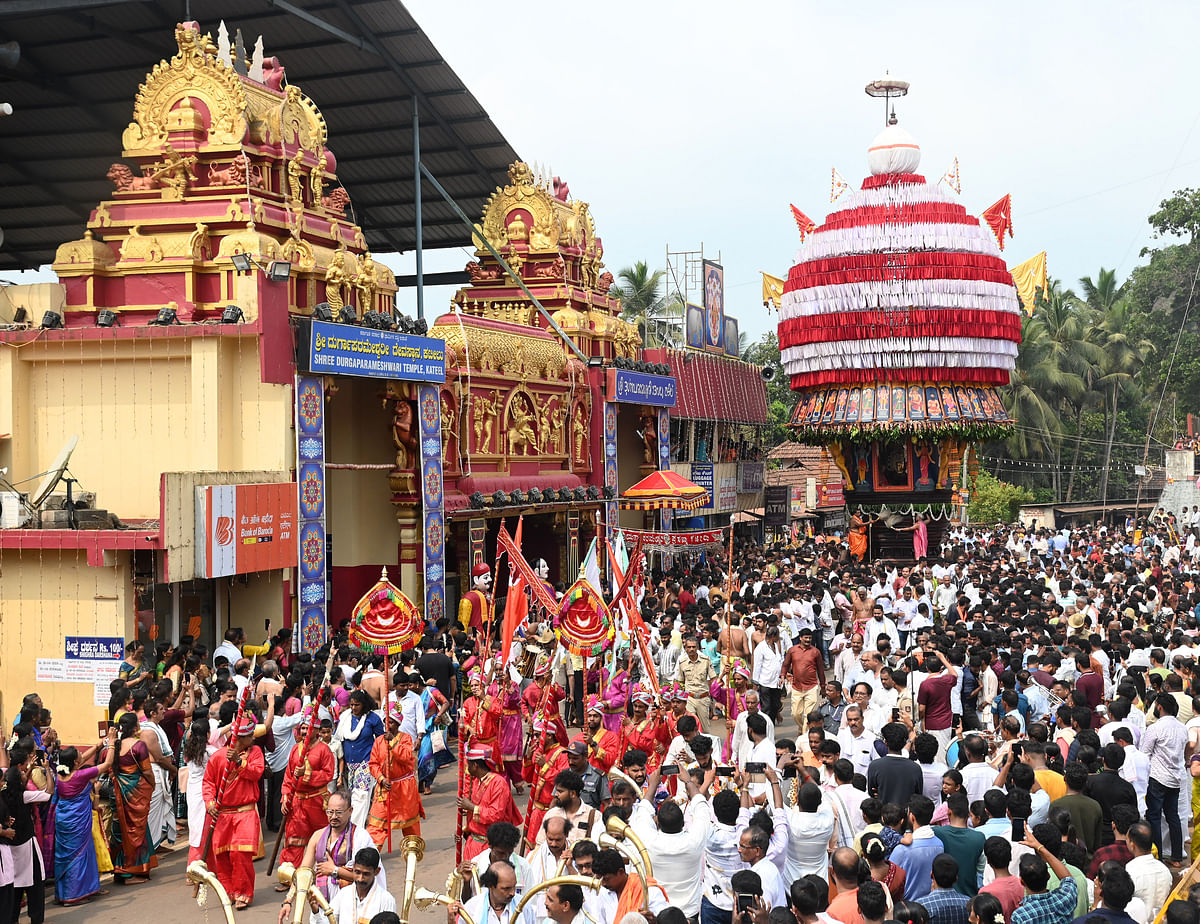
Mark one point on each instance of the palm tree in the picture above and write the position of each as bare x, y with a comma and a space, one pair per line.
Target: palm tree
1122, 359
1035, 380
644, 304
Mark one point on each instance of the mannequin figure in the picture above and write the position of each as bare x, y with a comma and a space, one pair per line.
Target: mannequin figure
476, 603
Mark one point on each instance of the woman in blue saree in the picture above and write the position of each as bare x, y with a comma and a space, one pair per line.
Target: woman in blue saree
437, 718
76, 873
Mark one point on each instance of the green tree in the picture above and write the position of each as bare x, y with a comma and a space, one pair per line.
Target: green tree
995, 501
643, 303
781, 400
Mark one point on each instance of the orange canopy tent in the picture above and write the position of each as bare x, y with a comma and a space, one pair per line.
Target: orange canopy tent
663, 490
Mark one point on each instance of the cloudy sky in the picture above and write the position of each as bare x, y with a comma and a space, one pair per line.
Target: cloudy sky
697, 123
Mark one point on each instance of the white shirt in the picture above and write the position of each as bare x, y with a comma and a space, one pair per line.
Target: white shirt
350, 908
740, 744
227, 650
482, 912
768, 665
877, 627
977, 779
678, 859
1151, 880
763, 752
859, 750
808, 838
1136, 771
774, 892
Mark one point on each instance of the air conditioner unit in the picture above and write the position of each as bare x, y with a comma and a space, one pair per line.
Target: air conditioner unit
13, 512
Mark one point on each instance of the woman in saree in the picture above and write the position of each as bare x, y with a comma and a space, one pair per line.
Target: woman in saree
437, 718
76, 872
920, 532
133, 785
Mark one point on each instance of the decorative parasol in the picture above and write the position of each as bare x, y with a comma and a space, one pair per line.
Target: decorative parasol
584, 624
664, 490
385, 620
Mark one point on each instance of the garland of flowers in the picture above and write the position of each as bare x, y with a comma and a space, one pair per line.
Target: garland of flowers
971, 431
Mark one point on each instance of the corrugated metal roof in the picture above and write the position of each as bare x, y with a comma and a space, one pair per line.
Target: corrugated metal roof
81, 62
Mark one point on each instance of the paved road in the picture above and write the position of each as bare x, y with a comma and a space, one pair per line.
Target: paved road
168, 894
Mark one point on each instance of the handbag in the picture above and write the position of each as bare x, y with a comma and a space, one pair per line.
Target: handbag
438, 739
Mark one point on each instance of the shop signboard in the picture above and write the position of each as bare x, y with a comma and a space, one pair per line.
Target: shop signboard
702, 475
797, 501
345, 349
93, 648
727, 492
777, 502
245, 527
750, 477
831, 495
628, 387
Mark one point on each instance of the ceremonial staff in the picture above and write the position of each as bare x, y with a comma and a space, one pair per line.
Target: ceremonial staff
229, 772
314, 723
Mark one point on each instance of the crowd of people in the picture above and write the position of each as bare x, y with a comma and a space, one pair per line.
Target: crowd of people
1002, 733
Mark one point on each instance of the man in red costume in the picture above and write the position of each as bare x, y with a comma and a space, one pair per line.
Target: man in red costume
644, 731
549, 756
476, 604
604, 747
488, 800
305, 791
235, 826
532, 704
397, 804
481, 715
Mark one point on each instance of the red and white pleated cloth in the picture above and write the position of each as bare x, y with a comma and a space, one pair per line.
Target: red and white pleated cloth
901, 278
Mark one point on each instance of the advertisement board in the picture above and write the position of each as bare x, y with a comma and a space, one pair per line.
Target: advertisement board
344, 349
777, 502
714, 306
245, 527
702, 475
695, 327
750, 477
831, 495
797, 501
727, 492
630, 387
93, 648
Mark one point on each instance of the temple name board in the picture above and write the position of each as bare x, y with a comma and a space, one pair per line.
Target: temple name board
344, 349
640, 388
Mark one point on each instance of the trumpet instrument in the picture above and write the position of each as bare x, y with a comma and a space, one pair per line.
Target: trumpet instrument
586, 882
427, 898
413, 850
199, 875
303, 891
622, 832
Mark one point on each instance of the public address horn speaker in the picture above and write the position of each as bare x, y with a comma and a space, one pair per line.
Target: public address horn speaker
767, 373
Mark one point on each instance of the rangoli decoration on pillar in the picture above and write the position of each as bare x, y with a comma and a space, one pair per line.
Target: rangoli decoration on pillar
429, 411
311, 488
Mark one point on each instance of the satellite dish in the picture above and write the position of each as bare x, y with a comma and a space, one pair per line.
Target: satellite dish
54, 475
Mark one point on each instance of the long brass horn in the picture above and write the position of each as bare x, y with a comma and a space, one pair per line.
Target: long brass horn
587, 882
198, 873
303, 892
413, 850
622, 832
427, 898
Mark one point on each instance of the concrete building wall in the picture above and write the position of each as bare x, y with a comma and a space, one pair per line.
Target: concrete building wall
46, 596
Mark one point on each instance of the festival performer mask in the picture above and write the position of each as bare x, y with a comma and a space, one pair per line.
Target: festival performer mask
542, 569
481, 577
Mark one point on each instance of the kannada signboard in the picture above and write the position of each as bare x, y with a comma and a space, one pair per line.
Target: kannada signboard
245, 527
777, 501
684, 539
702, 475
640, 388
831, 495
93, 648
344, 349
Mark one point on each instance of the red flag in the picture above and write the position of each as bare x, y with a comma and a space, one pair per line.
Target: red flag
516, 605
998, 216
804, 224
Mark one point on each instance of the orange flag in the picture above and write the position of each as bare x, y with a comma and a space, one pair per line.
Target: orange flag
804, 224
998, 216
516, 605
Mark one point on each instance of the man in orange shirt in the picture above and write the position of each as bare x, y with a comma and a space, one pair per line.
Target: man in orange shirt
804, 670
397, 804
235, 826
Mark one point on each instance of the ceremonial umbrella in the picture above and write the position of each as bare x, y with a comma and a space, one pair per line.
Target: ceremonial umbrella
584, 625
663, 490
385, 620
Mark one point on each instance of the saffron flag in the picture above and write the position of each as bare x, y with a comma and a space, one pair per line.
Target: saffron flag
804, 224
516, 604
998, 216
838, 186
1028, 278
772, 291
953, 178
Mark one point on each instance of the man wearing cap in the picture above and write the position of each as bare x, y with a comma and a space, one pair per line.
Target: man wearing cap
595, 790
235, 826
695, 674
304, 790
541, 698
603, 746
481, 714
643, 731
476, 604
547, 760
489, 799
396, 803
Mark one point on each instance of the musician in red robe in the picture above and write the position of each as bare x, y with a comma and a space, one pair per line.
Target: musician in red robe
548, 757
604, 747
396, 804
644, 731
481, 715
475, 607
488, 800
235, 827
305, 791
545, 695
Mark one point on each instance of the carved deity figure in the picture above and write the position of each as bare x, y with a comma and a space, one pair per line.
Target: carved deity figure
650, 439
545, 415
520, 428
579, 428
555, 440
336, 277
364, 282
485, 417
449, 432
175, 173
404, 436
316, 180
517, 230
295, 171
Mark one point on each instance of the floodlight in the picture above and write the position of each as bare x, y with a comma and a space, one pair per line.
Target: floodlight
106, 317
232, 315
595, 362
322, 312
279, 271
242, 262
166, 317
52, 320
